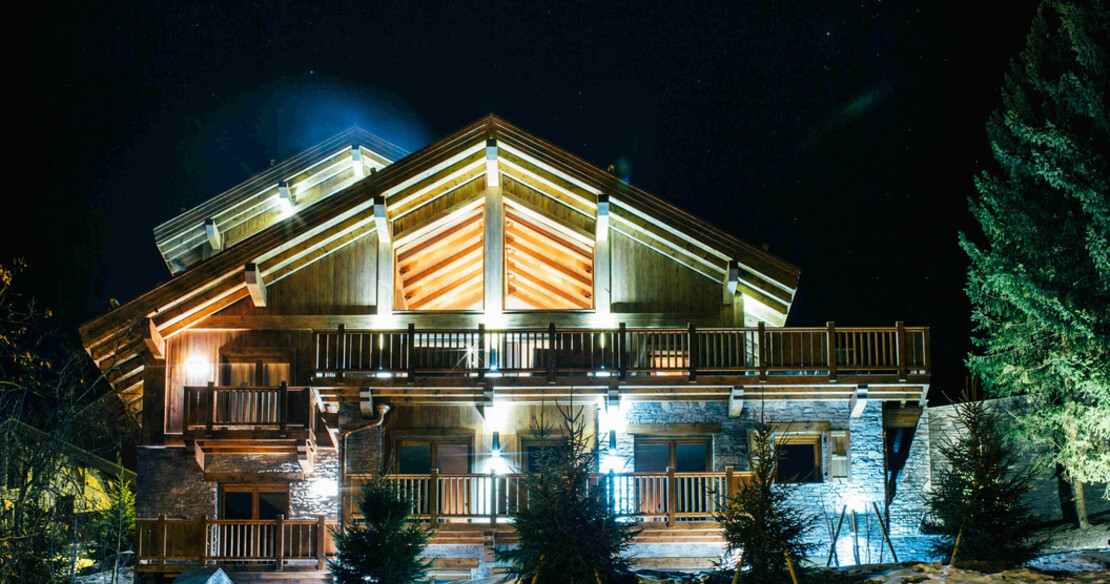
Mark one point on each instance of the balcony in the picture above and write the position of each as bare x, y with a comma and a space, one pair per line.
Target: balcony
659, 498
896, 359
173, 544
255, 420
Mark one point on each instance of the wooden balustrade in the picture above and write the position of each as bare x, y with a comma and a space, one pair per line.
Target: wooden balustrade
648, 496
762, 351
215, 407
278, 542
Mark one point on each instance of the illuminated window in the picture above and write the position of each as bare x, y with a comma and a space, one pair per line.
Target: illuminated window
548, 266
255, 369
254, 501
443, 269
682, 454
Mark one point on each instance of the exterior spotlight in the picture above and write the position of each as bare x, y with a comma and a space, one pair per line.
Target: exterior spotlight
497, 443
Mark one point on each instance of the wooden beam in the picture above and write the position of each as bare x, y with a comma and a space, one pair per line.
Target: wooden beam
493, 175
286, 200
675, 429
255, 285
494, 255
215, 238
356, 162
736, 402
153, 340
602, 270
381, 220
387, 258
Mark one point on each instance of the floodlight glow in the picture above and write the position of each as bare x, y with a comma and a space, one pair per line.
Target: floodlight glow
196, 366
324, 488
612, 462
497, 417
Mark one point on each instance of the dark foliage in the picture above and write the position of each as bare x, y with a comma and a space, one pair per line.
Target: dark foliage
385, 547
760, 523
979, 498
569, 534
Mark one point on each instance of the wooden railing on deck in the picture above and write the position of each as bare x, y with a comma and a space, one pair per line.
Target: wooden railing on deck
664, 496
277, 408
280, 542
622, 351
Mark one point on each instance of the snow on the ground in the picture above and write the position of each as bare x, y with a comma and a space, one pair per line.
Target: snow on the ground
1076, 561
126, 576
1065, 538
938, 573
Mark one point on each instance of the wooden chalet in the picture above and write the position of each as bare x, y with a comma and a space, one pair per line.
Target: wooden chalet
358, 304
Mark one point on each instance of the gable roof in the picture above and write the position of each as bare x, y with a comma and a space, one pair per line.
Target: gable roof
254, 204
116, 341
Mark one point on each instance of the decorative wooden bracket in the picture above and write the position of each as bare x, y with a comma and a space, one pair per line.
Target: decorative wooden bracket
735, 402
366, 402
257, 288
858, 401
154, 340
215, 238
492, 172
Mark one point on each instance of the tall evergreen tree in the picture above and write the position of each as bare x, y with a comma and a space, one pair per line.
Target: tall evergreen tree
761, 525
1039, 280
978, 501
569, 530
385, 547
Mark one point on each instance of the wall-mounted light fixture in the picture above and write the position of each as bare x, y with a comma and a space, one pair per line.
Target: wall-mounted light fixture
497, 442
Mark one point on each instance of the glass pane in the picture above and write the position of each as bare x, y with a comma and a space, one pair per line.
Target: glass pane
652, 457
275, 373
415, 459
270, 505
239, 374
690, 458
797, 463
453, 458
238, 505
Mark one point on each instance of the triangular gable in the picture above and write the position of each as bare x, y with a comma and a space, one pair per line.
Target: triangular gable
550, 198
247, 208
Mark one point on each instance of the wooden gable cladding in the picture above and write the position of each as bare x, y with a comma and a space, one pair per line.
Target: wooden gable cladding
253, 205
547, 265
443, 270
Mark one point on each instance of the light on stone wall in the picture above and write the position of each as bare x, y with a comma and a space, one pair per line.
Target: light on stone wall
497, 417
322, 488
611, 417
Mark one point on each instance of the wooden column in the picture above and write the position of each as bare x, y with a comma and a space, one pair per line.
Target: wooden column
900, 349
279, 544
321, 541
832, 350
154, 400
622, 351
433, 496
762, 337
493, 223
386, 258
692, 351
602, 283
672, 496
732, 304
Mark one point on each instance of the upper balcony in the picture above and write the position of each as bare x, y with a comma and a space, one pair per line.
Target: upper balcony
255, 420
645, 363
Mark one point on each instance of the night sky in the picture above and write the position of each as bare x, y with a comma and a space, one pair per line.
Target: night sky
843, 135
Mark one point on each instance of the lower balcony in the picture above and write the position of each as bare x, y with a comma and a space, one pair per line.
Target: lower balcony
172, 545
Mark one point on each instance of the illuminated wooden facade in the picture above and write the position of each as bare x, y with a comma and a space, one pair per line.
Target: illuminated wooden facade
470, 287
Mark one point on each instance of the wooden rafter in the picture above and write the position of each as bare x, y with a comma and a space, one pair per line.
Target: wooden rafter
546, 267
442, 270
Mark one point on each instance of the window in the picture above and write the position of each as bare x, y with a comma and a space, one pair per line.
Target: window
254, 501
534, 449
683, 454
255, 369
799, 461
450, 456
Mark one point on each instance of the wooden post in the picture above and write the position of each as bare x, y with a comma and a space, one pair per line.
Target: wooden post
672, 496
492, 498
692, 350
433, 496
730, 484
211, 405
551, 353
162, 539
832, 350
622, 351
279, 544
409, 366
321, 540
482, 365
926, 353
341, 352
900, 352
886, 536
283, 407
761, 336
204, 540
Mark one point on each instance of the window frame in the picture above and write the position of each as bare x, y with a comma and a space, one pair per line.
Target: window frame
254, 489
259, 356
433, 442
673, 442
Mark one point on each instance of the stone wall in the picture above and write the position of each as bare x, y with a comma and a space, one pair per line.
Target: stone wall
170, 481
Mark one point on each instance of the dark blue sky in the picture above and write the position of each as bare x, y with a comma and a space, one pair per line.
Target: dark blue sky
843, 135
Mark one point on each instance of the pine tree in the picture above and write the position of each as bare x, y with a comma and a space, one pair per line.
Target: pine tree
1039, 280
569, 530
385, 547
978, 502
760, 523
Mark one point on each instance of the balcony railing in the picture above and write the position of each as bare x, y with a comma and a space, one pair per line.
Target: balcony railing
250, 408
757, 351
669, 496
278, 542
